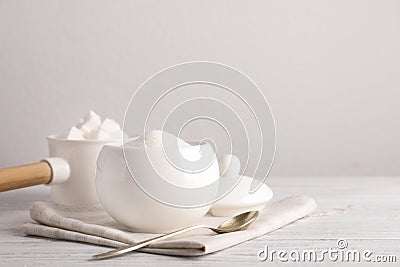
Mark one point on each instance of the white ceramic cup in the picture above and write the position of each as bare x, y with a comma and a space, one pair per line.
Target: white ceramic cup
81, 155
129, 202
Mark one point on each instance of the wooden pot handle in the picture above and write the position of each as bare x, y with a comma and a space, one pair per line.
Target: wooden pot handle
25, 175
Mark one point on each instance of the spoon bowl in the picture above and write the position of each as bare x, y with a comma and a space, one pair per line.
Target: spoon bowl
237, 223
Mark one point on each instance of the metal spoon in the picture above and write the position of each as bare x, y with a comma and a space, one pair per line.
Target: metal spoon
236, 223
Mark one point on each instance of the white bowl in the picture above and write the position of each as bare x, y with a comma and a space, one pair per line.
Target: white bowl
132, 191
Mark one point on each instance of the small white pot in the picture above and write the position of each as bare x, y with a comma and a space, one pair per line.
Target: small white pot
81, 155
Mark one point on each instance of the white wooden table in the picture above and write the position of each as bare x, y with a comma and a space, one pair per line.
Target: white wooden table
363, 210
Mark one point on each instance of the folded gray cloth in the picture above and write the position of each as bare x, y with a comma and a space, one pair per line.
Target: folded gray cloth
91, 224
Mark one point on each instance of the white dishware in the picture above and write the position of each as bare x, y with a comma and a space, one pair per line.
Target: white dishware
81, 155
236, 190
239, 200
70, 171
130, 202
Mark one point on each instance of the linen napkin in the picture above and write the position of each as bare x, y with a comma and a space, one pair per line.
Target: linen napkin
91, 224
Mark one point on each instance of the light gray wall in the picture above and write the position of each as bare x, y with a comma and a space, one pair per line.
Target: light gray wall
330, 69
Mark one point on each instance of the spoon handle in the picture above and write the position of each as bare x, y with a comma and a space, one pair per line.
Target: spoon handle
129, 248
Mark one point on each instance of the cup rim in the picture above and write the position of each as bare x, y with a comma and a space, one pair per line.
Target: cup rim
143, 147
55, 137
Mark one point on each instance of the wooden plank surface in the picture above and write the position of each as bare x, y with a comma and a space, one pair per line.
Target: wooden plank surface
363, 210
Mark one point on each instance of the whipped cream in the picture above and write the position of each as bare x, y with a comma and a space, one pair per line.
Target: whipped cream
91, 127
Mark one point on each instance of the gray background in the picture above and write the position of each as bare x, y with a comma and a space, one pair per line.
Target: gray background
330, 70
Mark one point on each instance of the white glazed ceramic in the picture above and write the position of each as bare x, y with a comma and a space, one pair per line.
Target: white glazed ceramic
79, 189
128, 204
240, 200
